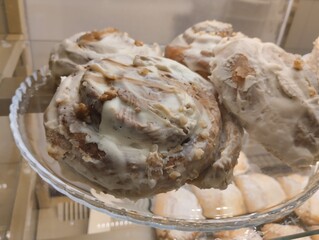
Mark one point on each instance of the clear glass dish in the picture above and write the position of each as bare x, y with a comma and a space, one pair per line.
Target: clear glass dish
26, 113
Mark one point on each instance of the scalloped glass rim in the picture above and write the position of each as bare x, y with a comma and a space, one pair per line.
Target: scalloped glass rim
87, 199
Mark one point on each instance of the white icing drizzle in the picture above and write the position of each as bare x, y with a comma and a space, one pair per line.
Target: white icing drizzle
152, 126
73, 53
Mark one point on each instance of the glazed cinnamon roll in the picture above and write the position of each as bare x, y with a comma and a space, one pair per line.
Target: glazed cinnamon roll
274, 95
193, 48
138, 126
72, 53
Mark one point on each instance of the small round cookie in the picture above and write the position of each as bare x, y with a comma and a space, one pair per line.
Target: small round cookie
238, 234
220, 203
309, 210
193, 48
293, 184
72, 53
182, 204
259, 191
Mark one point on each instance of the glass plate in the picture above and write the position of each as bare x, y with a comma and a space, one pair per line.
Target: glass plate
26, 113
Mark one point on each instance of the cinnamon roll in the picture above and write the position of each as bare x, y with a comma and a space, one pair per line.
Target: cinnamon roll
72, 53
139, 126
274, 95
193, 48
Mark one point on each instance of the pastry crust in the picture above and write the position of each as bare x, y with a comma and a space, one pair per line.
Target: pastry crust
76, 51
137, 129
273, 95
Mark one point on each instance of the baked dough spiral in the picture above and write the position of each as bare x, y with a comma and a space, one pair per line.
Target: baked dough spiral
74, 52
193, 48
138, 126
274, 95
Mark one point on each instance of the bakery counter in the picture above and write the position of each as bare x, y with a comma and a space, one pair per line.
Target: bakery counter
31, 209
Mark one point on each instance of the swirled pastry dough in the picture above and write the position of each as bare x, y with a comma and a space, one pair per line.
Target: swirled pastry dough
74, 52
193, 48
138, 126
273, 94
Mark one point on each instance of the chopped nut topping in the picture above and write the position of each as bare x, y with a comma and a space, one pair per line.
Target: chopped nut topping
223, 33
95, 36
138, 109
138, 43
81, 111
174, 175
298, 64
143, 71
108, 95
194, 174
312, 91
183, 120
198, 154
155, 164
207, 53
177, 149
204, 134
162, 68
203, 124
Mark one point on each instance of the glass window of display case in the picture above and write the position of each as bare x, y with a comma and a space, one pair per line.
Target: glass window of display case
31, 208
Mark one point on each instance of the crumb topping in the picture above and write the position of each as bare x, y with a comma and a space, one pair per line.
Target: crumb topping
298, 64
108, 95
138, 43
198, 154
